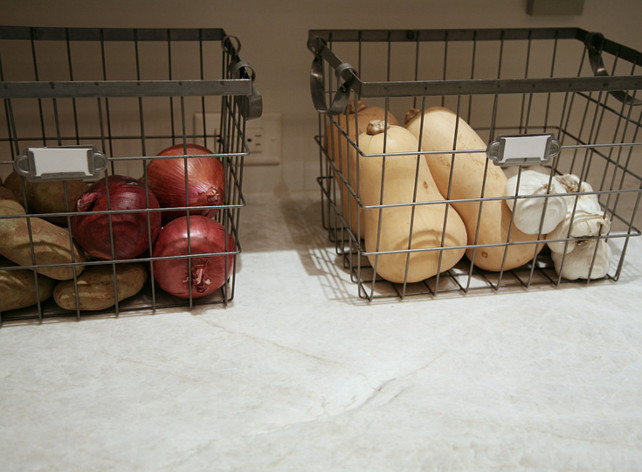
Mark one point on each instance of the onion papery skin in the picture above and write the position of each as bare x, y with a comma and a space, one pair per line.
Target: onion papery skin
131, 236
208, 272
205, 183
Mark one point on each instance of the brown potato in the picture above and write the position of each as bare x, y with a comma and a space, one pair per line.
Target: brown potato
7, 194
51, 244
18, 289
47, 196
96, 286
13, 183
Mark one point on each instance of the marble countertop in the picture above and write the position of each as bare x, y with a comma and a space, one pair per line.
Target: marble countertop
299, 374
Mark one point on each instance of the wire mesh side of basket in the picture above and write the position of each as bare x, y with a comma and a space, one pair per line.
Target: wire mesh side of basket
130, 93
574, 85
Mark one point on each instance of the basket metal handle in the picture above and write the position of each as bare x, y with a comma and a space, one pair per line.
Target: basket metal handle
344, 72
251, 105
594, 44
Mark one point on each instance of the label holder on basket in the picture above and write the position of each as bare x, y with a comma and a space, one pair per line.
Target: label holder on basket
60, 163
525, 149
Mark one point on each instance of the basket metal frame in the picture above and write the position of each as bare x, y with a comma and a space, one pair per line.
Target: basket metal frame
233, 89
335, 82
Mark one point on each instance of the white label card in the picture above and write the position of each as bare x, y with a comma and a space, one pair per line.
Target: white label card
525, 147
60, 160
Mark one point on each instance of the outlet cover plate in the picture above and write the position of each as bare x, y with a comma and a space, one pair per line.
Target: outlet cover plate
268, 126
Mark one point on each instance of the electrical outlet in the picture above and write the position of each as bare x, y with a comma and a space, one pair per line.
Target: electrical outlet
262, 135
254, 138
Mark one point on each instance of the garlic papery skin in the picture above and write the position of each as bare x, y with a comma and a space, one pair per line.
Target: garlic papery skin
583, 220
588, 203
529, 212
583, 224
513, 170
577, 264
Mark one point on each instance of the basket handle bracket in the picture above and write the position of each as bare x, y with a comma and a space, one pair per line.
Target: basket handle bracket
594, 43
251, 105
344, 72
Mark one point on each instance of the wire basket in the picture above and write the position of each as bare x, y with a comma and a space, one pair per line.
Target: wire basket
85, 107
456, 186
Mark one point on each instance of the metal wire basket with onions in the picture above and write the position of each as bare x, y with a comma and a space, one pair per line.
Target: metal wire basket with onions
119, 192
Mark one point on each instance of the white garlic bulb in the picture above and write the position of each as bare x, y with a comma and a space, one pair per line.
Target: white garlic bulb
588, 219
577, 264
513, 170
571, 183
528, 213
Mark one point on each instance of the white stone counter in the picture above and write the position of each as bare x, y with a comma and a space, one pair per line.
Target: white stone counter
299, 374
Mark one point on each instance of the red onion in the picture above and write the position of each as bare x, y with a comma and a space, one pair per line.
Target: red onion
205, 183
130, 230
208, 272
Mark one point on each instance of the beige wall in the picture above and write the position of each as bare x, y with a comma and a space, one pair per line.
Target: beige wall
274, 33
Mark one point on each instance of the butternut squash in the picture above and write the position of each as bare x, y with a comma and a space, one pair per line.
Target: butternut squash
434, 225
468, 173
339, 150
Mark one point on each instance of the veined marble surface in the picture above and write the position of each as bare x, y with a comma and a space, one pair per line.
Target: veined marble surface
299, 374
